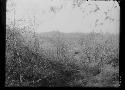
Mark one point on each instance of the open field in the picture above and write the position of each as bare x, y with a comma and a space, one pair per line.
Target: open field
56, 59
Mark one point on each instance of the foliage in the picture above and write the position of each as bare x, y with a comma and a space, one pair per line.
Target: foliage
90, 60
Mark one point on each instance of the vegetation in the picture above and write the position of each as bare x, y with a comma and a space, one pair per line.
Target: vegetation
59, 59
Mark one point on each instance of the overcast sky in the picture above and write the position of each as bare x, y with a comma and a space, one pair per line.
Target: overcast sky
66, 18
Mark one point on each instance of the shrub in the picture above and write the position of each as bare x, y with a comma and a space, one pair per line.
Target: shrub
34, 65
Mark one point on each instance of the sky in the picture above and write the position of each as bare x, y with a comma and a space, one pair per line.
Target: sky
67, 19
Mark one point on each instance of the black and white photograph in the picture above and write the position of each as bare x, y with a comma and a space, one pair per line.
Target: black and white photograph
62, 43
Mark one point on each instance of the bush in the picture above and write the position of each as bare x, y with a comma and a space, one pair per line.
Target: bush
34, 65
